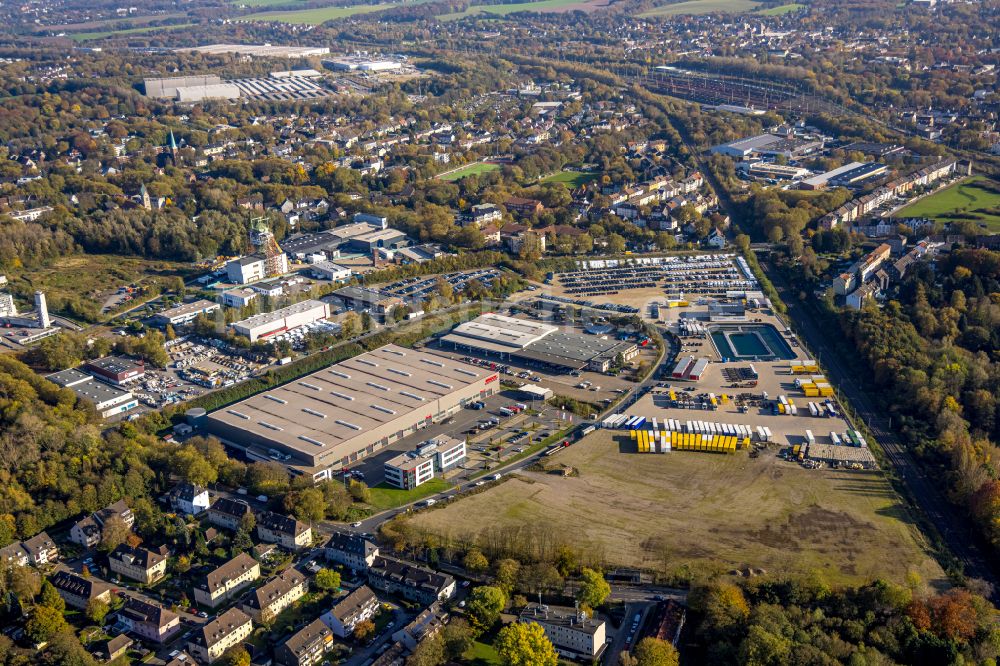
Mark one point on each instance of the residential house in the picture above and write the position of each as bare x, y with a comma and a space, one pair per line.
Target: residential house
306, 647
87, 532
572, 633
267, 601
40, 549
78, 591
228, 513
113, 648
149, 621
14, 555
410, 581
283, 530
229, 629
514, 236
227, 581
189, 499
716, 239
350, 611
138, 564
526, 207
352, 550
857, 298
427, 623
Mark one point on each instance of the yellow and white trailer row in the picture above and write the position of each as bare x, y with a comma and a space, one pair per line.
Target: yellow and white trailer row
805, 368
663, 441
815, 386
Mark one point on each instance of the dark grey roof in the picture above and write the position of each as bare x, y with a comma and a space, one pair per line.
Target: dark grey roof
351, 543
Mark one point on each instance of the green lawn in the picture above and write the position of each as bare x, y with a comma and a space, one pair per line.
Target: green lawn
504, 10
966, 200
570, 178
86, 36
703, 7
476, 169
385, 496
782, 9
482, 654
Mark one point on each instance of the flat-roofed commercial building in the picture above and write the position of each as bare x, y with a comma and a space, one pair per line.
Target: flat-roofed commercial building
430, 458
332, 418
532, 342
188, 312
819, 181
107, 400
279, 321
116, 370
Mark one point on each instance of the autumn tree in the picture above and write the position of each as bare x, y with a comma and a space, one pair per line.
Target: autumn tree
475, 561
525, 644
96, 611
114, 533
484, 606
364, 630
593, 588
655, 652
327, 580
44, 623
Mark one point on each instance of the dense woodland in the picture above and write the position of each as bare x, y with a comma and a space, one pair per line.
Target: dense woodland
933, 351
799, 622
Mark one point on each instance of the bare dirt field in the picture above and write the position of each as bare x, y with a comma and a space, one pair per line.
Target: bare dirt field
704, 513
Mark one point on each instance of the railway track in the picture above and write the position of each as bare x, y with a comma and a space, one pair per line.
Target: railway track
956, 530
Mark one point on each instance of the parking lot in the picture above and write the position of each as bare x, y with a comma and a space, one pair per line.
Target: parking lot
209, 363
486, 445
703, 274
418, 289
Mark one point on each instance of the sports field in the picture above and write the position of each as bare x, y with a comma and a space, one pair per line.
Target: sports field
570, 178
542, 6
473, 169
704, 513
967, 200
703, 7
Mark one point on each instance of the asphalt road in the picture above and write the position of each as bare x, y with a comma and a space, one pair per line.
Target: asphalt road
956, 530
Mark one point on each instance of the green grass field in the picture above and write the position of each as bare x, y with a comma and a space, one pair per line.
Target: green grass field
87, 36
482, 654
570, 178
317, 16
703, 7
961, 201
782, 9
704, 513
474, 169
385, 496
504, 10
264, 3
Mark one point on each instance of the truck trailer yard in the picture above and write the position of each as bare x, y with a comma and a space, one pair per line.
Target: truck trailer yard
695, 513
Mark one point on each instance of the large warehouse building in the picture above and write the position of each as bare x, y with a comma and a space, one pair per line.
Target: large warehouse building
533, 342
328, 420
286, 319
